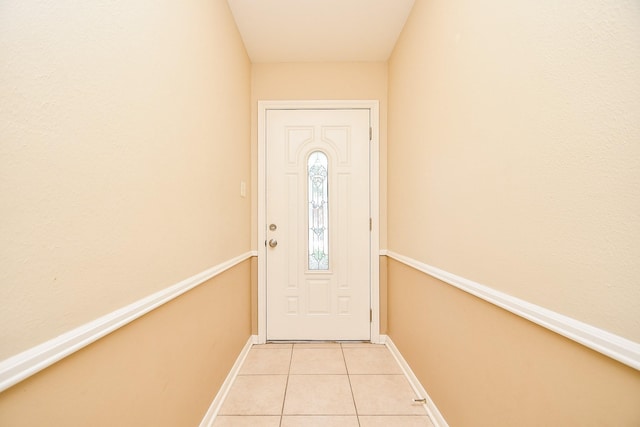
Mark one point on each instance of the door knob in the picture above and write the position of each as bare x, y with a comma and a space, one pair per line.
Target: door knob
273, 243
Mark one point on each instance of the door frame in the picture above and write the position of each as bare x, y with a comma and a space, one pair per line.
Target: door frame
374, 197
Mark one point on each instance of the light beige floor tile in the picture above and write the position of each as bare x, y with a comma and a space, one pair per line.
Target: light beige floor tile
317, 361
247, 421
370, 360
319, 421
255, 395
271, 346
317, 345
384, 395
272, 361
319, 395
395, 421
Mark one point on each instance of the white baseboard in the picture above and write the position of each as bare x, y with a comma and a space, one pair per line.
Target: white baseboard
432, 410
21, 366
614, 346
214, 408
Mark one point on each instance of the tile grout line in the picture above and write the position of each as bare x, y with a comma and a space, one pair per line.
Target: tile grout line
353, 397
286, 386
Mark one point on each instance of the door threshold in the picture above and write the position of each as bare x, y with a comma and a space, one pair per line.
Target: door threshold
318, 341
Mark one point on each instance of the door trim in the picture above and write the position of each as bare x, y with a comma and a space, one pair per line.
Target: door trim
374, 171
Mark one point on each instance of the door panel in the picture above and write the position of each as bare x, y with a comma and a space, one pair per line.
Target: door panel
317, 210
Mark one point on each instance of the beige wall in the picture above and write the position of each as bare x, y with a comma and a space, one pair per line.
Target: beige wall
384, 294
513, 161
321, 81
513, 153
164, 369
124, 136
254, 295
484, 366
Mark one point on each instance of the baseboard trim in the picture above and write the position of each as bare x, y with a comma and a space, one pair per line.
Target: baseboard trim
23, 365
432, 410
214, 408
614, 346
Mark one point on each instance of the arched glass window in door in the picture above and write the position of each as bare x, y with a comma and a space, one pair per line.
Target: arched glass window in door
318, 198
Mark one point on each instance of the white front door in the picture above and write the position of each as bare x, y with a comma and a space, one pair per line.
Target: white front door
318, 227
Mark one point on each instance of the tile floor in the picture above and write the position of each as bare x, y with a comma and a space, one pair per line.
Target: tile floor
332, 384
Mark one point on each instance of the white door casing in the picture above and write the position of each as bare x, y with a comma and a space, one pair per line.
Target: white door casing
296, 301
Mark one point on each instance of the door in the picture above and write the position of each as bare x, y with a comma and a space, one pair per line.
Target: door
318, 226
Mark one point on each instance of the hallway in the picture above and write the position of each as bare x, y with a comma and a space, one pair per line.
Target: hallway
502, 220
321, 384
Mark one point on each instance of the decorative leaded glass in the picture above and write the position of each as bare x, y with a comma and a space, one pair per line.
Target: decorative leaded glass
318, 194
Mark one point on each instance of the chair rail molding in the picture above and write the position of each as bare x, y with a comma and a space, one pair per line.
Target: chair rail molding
614, 346
23, 365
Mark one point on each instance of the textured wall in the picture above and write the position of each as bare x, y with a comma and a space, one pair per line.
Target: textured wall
514, 151
124, 135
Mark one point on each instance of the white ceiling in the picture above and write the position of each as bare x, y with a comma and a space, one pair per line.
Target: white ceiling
320, 30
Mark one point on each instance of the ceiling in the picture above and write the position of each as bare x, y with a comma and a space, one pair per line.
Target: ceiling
320, 30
